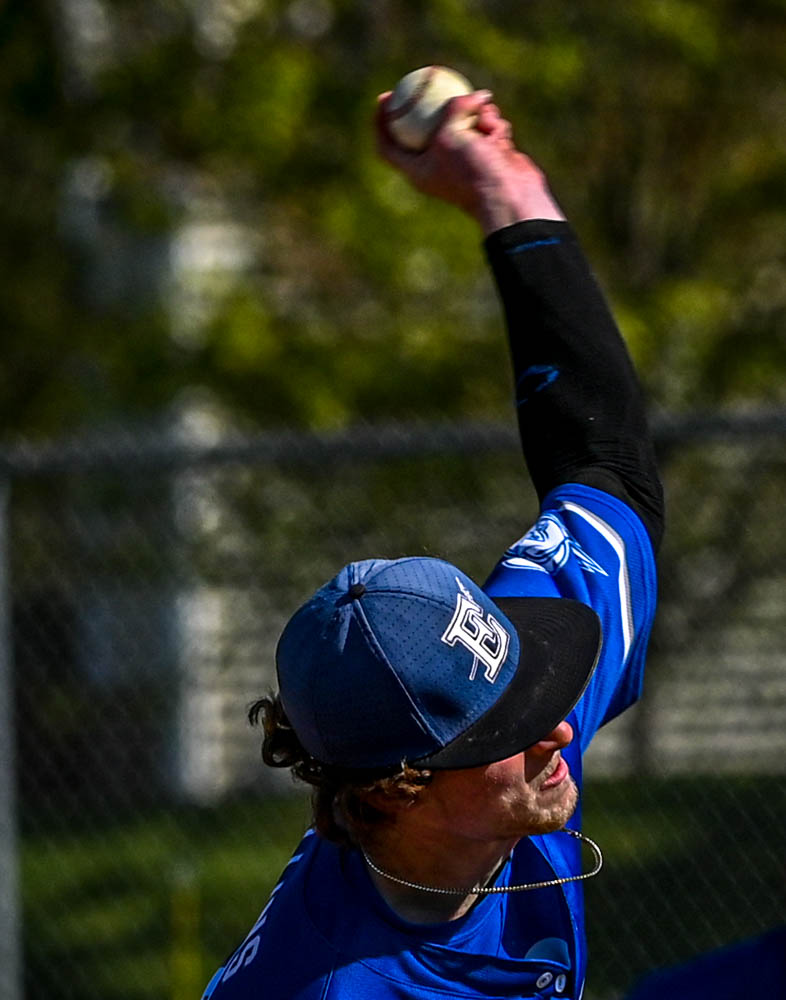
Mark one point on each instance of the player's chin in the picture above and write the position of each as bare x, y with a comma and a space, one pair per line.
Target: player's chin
555, 813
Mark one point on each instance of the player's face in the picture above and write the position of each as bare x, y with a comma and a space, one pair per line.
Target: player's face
528, 794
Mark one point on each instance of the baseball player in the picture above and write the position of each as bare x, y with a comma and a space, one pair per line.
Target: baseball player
442, 724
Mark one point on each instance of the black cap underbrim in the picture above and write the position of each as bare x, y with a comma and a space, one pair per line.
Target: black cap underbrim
560, 644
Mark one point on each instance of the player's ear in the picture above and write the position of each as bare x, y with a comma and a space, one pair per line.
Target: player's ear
387, 801
392, 796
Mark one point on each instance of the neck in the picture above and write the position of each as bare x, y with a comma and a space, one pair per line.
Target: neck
436, 865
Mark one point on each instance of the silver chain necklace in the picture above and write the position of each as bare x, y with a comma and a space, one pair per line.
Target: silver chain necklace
481, 890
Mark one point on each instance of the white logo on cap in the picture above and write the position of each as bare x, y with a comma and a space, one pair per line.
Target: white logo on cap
483, 636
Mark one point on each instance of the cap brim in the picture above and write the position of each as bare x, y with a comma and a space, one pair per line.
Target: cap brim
560, 644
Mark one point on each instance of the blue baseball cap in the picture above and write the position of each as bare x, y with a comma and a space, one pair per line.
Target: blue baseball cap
409, 661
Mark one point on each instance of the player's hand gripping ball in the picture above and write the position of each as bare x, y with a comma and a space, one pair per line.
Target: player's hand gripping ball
414, 110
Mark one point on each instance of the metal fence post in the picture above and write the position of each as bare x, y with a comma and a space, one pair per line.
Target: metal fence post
10, 913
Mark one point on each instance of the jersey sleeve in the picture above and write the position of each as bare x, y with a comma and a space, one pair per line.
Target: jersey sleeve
590, 546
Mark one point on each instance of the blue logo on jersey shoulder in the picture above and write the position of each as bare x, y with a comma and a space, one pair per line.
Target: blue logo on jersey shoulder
548, 546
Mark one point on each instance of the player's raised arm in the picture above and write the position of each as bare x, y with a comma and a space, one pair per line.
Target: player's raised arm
445, 752
579, 405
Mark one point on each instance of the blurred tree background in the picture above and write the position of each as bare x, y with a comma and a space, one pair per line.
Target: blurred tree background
193, 208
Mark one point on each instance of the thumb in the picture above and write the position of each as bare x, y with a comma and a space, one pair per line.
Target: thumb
462, 112
469, 104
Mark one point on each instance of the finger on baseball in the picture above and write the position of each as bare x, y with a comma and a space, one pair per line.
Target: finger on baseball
380, 119
387, 147
488, 118
467, 104
491, 123
459, 114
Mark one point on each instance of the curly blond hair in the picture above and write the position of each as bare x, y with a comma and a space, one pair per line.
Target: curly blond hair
348, 804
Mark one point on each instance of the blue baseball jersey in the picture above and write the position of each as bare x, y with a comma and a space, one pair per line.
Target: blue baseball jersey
327, 934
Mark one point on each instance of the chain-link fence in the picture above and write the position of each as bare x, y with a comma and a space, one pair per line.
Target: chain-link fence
145, 583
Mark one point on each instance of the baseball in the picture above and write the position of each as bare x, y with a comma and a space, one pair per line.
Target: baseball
414, 109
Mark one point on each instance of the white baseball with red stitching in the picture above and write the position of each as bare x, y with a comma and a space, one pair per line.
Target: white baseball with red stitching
414, 110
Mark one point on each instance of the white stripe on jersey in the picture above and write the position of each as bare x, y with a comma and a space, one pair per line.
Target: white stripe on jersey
623, 580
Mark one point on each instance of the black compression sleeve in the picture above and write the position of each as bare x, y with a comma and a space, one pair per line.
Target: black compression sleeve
580, 410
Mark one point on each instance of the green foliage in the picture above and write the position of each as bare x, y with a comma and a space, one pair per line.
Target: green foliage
660, 125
